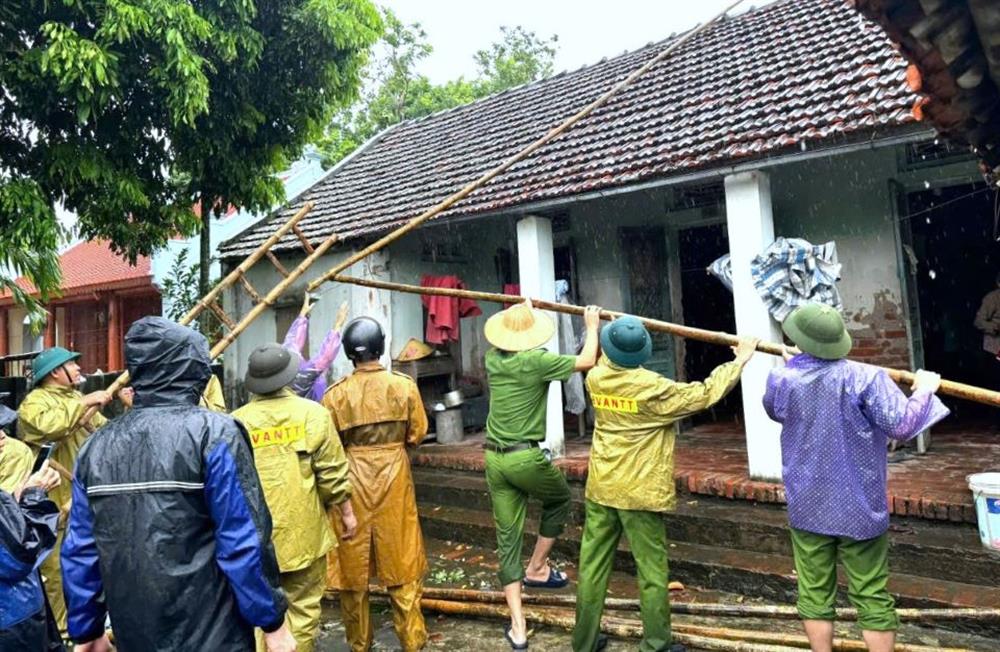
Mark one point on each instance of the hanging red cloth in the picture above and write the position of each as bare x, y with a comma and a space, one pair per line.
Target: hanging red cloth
444, 313
513, 289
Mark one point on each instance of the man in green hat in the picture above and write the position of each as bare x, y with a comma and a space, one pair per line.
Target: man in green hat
630, 481
836, 418
51, 413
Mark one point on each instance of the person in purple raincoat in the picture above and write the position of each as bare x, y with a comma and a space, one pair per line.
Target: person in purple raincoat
310, 382
837, 417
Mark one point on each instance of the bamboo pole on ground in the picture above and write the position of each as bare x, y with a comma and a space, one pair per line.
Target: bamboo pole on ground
519, 156
702, 637
620, 628
949, 387
705, 608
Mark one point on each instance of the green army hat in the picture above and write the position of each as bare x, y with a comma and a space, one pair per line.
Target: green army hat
818, 330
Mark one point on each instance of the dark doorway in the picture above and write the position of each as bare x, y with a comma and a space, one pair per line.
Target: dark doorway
645, 249
709, 305
958, 258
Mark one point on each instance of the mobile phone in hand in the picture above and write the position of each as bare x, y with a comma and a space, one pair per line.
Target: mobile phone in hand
43, 455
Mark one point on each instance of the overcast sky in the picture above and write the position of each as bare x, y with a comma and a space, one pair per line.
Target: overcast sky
588, 30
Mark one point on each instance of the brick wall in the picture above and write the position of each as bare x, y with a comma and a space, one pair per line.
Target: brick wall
880, 333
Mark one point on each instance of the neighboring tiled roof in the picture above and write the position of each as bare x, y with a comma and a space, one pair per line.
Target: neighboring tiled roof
956, 49
92, 266
791, 74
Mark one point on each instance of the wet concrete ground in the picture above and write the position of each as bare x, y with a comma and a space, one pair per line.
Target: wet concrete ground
462, 566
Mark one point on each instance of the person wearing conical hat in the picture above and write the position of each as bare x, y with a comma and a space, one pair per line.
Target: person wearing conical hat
630, 479
836, 419
519, 374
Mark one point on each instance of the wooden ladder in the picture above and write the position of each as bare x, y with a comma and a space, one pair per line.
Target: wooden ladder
210, 301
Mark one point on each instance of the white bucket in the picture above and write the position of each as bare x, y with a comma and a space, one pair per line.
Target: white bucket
986, 491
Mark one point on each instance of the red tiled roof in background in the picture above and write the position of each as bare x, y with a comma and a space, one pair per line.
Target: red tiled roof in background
92, 266
791, 75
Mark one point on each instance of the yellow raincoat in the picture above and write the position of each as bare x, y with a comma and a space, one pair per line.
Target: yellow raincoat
637, 413
302, 470
16, 460
49, 413
212, 398
378, 414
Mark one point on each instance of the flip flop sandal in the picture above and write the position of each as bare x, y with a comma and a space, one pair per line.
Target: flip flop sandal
556, 580
510, 639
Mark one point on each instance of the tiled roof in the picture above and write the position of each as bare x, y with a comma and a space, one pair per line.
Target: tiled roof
955, 47
92, 266
792, 74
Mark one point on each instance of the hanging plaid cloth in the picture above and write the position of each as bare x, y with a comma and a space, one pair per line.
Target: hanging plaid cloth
789, 273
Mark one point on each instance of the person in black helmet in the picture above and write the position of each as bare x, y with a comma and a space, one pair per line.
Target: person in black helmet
378, 414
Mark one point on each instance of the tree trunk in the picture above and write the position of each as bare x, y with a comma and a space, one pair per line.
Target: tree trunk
205, 257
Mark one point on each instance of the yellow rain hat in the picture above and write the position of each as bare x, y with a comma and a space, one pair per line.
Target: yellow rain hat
519, 328
414, 350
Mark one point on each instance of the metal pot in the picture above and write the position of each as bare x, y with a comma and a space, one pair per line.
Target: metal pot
453, 398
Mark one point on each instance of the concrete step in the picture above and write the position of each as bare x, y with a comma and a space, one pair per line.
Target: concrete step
938, 551
757, 574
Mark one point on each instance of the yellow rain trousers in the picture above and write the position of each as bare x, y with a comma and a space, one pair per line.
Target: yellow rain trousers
16, 460
379, 414
50, 414
304, 474
304, 591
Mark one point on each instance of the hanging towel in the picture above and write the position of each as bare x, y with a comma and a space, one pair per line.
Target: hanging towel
790, 272
444, 313
576, 401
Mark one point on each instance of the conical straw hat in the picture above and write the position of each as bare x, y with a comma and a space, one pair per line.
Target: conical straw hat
519, 328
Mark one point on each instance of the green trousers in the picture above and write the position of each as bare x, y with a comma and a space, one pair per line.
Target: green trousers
512, 478
647, 539
866, 564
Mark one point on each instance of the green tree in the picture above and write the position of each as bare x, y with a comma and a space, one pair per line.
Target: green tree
397, 92
519, 57
129, 111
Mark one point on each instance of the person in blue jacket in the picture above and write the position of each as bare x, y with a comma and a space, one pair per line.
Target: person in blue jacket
27, 535
169, 533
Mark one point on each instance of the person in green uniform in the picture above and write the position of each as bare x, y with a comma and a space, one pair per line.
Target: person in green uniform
519, 374
630, 480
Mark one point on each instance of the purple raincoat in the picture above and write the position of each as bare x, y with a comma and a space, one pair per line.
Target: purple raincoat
837, 417
310, 382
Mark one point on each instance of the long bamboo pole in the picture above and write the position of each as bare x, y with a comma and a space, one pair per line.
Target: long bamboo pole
566, 619
519, 156
705, 608
271, 296
691, 635
213, 294
949, 387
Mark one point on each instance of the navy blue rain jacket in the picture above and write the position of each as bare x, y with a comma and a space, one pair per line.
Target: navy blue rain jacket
169, 531
27, 536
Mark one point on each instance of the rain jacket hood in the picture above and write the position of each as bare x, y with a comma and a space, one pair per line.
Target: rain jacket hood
168, 528
168, 364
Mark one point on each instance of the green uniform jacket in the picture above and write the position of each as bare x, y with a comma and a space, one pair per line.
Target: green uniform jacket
302, 469
49, 414
632, 455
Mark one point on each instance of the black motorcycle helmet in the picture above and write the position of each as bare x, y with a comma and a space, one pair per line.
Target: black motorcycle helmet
363, 340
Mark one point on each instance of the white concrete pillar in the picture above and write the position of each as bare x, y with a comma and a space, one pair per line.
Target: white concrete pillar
536, 264
751, 230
